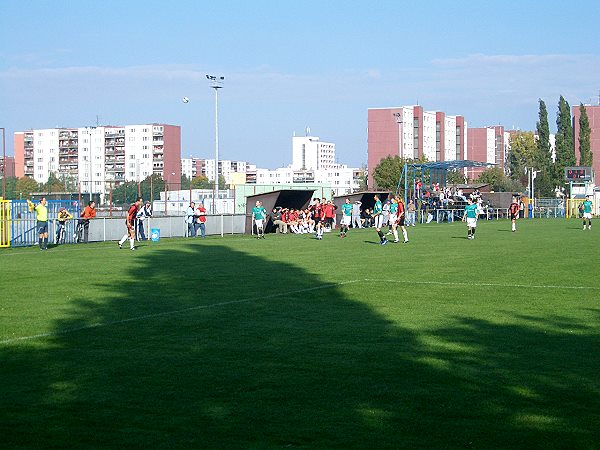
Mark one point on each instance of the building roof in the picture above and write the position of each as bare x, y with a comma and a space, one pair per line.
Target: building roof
450, 165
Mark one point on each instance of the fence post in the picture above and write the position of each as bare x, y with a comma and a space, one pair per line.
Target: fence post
221, 225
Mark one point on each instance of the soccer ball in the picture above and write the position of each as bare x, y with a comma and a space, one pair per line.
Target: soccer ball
185, 100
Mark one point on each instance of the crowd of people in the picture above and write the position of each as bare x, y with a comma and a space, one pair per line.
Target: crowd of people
320, 217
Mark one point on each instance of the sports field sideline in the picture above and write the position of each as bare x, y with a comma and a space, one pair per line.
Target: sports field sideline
292, 342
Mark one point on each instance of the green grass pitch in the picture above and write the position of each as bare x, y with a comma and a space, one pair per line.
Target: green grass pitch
292, 342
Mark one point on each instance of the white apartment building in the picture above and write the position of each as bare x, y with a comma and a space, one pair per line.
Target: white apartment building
450, 138
406, 129
429, 125
193, 167
309, 153
341, 178
97, 158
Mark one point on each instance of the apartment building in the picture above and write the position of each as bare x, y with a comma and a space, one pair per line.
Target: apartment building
193, 167
411, 132
98, 157
7, 166
593, 113
342, 179
310, 153
487, 144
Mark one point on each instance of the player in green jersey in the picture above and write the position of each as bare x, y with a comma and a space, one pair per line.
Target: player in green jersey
587, 211
470, 216
346, 218
259, 214
378, 219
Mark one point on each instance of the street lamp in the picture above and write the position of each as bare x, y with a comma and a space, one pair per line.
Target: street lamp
216, 82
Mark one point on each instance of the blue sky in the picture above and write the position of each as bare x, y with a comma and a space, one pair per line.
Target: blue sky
288, 65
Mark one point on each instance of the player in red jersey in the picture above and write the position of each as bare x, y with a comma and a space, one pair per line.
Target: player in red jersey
130, 221
401, 221
317, 216
513, 211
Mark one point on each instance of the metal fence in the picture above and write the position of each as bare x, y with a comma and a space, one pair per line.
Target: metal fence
23, 222
113, 228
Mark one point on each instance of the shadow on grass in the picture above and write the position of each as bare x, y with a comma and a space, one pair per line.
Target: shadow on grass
201, 352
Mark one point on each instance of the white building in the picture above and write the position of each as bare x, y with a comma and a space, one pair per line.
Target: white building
97, 158
343, 179
193, 167
309, 153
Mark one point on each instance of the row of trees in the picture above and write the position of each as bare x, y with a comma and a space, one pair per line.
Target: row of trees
529, 150
149, 188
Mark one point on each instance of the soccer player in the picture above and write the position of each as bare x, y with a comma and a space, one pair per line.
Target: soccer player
130, 223
393, 218
41, 212
259, 214
587, 211
329, 214
470, 216
378, 218
401, 219
317, 216
346, 218
513, 210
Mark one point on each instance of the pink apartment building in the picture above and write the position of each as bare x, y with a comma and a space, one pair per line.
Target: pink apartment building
593, 113
411, 132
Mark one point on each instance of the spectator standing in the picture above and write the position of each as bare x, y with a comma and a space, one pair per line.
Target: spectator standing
88, 214
410, 213
143, 214
521, 208
356, 222
200, 220
190, 219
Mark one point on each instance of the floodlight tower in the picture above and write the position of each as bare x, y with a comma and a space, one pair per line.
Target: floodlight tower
216, 82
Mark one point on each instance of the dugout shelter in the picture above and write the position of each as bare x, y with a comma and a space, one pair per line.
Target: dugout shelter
286, 198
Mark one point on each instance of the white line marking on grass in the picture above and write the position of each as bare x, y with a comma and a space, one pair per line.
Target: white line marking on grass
460, 283
177, 311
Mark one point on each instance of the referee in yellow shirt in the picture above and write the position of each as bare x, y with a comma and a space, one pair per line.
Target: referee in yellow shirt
41, 212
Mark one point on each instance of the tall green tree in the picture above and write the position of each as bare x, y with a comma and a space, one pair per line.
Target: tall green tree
201, 182
125, 193
543, 155
498, 181
185, 182
522, 154
54, 184
387, 173
25, 186
11, 188
152, 186
586, 157
565, 148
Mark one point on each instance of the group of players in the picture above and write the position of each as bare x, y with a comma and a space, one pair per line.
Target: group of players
320, 215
